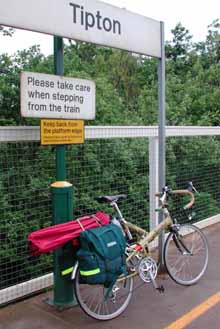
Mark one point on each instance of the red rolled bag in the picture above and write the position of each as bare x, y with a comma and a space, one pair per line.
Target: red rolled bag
53, 237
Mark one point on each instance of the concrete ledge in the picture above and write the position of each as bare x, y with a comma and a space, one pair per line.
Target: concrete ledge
208, 221
26, 288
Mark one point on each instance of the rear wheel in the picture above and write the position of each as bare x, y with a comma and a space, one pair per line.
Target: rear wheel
186, 254
92, 298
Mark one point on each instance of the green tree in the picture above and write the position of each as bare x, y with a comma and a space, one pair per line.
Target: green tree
210, 49
11, 66
180, 45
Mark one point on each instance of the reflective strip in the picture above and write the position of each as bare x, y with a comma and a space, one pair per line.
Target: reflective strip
92, 272
67, 271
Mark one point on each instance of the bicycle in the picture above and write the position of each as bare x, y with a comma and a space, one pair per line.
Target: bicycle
185, 254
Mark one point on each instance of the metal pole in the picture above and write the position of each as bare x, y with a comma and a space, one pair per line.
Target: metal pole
59, 70
62, 206
162, 133
153, 178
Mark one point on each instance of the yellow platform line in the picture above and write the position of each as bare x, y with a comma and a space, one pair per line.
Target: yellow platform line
197, 311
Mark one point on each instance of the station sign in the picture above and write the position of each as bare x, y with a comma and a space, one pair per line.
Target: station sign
55, 132
58, 97
91, 21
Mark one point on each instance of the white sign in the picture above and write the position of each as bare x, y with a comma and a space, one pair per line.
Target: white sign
53, 96
85, 20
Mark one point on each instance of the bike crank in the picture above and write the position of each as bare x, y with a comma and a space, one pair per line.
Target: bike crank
148, 272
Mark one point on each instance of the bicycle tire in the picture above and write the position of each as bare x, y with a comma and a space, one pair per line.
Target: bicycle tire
91, 298
186, 259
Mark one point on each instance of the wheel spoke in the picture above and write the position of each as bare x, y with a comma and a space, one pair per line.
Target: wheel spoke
91, 299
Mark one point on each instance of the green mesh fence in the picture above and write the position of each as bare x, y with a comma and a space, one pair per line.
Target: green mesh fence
108, 167
98, 167
195, 159
95, 168
26, 171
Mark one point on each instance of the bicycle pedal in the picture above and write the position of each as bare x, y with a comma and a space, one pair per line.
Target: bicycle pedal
160, 289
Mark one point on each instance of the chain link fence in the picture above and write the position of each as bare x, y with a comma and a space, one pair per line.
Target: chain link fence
25, 174
100, 166
197, 160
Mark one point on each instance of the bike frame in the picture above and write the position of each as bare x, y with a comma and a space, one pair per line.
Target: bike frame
142, 245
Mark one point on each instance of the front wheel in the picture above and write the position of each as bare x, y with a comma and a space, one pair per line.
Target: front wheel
186, 254
92, 298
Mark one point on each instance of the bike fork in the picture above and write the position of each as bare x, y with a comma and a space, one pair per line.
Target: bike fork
179, 243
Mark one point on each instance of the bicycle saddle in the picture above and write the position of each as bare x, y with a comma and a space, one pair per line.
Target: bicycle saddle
111, 198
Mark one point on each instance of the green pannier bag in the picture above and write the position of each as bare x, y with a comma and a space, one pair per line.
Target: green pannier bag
101, 255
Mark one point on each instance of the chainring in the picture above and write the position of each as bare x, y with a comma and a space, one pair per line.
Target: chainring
147, 269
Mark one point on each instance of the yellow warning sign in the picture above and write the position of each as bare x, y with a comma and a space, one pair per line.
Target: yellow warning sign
54, 132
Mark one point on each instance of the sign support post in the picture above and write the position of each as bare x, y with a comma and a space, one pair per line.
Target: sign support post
62, 206
162, 134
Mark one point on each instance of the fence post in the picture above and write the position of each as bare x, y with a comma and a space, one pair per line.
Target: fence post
153, 179
162, 136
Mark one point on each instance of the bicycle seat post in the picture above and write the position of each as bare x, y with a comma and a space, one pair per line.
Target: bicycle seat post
116, 207
121, 218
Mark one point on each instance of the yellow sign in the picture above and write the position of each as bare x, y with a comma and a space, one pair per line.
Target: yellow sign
62, 132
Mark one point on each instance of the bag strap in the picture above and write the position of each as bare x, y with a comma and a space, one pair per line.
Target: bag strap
97, 220
106, 296
110, 287
92, 216
80, 224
